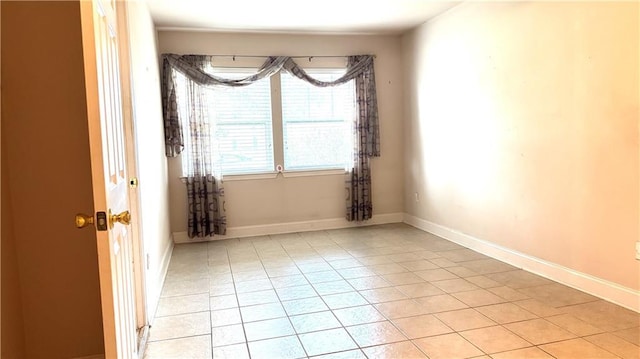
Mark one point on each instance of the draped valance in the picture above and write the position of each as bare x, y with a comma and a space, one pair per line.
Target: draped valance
193, 67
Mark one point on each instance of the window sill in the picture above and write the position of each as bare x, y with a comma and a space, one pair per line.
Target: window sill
249, 176
285, 174
313, 173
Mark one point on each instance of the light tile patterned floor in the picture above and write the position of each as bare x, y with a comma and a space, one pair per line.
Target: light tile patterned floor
388, 291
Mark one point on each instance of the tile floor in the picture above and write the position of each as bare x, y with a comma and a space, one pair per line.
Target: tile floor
388, 291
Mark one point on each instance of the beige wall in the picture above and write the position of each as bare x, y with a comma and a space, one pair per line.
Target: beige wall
44, 129
151, 161
522, 129
281, 200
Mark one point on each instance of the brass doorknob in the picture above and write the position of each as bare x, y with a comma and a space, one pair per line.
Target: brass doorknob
83, 220
122, 217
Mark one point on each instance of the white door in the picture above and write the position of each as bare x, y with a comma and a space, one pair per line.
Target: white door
109, 176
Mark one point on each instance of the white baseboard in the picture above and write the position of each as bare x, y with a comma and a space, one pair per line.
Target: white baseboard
152, 302
291, 227
607, 290
612, 292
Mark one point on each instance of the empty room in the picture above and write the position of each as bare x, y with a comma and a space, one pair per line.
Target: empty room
335, 179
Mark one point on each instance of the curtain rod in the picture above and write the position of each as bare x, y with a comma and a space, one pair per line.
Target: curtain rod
293, 57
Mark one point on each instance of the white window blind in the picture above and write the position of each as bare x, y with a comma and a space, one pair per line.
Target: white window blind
241, 117
316, 121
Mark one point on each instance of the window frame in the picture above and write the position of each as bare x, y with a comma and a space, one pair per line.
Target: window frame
277, 129
224, 71
348, 137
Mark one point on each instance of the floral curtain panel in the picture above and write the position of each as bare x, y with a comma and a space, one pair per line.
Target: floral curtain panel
366, 145
366, 129
206, 206
205, 191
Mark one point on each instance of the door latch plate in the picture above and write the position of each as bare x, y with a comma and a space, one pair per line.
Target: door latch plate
101, 221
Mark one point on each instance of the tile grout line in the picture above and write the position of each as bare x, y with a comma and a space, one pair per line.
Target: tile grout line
323, 301
395, 250
280, 302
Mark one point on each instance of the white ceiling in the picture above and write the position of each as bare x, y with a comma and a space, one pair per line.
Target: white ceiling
299, 16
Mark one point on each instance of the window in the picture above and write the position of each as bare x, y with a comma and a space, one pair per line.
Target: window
316, 121
241, 117
247, 122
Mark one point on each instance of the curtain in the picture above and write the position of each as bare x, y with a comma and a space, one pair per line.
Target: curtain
206, 206
359, 205
366, 144
205, 191
173, 140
